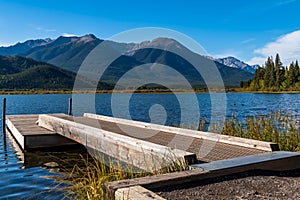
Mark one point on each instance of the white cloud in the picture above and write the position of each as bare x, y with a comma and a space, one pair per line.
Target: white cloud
288, 47
3, 44
257, 61
69, 35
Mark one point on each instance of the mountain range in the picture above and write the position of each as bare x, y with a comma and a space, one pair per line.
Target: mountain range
67, 54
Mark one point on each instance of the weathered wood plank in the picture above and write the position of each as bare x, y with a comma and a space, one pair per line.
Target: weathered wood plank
156, 181
248, 143
136, 193
205, 150
16, 133
31, 136
142, 154
271, 161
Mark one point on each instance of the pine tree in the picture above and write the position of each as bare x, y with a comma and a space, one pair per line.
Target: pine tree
258, 82
291, 75
297, 71
279, 72
269, 76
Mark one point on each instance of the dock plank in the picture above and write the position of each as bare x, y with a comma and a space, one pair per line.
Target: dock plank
212, 150
31, 136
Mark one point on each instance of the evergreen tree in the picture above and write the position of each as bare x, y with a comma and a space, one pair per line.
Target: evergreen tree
269, 78
274, 76
291, 75
279, 72
297, 71
258, 76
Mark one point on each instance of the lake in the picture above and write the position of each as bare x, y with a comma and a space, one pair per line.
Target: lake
19, 182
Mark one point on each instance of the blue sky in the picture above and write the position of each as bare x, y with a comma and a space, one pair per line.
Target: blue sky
248, 30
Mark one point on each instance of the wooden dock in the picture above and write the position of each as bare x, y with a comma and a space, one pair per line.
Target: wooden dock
149, 147
137, 143
31, 136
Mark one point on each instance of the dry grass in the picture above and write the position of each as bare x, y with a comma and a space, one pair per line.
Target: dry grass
87, 181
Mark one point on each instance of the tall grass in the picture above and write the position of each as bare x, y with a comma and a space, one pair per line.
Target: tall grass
87, 181
281, 128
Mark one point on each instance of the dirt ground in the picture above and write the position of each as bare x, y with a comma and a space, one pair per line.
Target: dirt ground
248, 185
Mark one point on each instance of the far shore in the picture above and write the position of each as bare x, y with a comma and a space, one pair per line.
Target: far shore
158, 91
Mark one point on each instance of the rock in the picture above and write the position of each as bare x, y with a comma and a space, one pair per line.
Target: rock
54, 170
51, 165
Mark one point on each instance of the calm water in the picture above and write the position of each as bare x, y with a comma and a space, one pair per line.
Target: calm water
20, 182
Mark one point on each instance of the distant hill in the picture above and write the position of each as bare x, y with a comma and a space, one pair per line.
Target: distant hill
18, 73
69, 52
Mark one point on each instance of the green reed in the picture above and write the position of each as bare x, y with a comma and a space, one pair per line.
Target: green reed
280, 128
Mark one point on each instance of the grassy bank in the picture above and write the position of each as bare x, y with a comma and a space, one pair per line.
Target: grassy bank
154, 91
248, 90
16, 92
277, 127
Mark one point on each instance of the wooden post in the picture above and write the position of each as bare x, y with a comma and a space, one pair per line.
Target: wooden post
70, 107
4, 115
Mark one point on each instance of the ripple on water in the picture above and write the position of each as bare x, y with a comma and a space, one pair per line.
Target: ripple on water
28, 183
17, 182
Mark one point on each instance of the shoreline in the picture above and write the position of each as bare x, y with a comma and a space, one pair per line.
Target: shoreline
240, 90
200, 91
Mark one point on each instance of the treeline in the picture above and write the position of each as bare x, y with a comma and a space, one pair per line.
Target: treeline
273, 76
41, 77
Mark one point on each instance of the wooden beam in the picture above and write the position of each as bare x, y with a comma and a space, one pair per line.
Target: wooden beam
136, 193
248, 143
144, 155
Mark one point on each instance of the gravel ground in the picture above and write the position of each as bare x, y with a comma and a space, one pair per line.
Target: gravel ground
248, 185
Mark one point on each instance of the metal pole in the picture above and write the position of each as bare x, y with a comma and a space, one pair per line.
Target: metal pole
4, 115
70, 107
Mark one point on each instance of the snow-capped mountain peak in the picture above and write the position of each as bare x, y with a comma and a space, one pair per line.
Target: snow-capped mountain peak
235, 63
